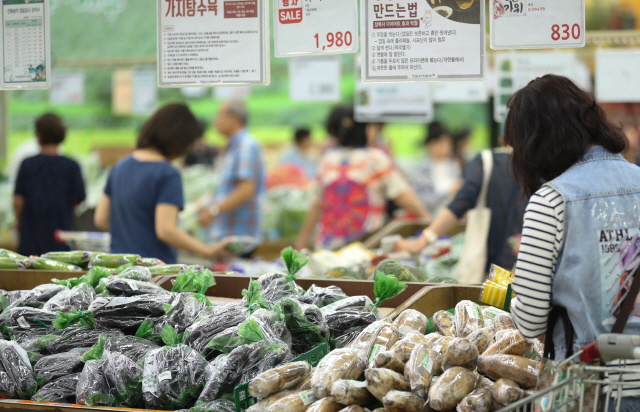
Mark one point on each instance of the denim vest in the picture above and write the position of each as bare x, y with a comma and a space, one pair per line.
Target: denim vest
601, 194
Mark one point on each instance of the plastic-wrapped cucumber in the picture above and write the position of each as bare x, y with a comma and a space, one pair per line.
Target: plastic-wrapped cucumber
173, 377
112, 260
71, 300
11, 254
16, 374
39, 263
127, 313
9, 263
136, 273
167, 269
52, 367
79, 258
147, 262
117, 286
60, 390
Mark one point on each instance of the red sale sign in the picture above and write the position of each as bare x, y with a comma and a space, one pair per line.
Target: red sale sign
290, 16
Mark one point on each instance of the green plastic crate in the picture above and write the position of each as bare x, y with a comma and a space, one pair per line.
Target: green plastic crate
241, 396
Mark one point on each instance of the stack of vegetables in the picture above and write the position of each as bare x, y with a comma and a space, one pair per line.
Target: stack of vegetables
119, 340
471, 360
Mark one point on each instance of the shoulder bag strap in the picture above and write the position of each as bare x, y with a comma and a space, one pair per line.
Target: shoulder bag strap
628, 304
487, 169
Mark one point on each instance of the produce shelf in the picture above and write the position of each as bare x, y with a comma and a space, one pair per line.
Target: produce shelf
432, 299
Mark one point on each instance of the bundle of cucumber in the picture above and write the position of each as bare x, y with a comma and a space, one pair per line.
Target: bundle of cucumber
474, 361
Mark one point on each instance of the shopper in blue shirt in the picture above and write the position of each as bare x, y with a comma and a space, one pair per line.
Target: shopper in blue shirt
237, 207
143, 194
48, 188
300, 153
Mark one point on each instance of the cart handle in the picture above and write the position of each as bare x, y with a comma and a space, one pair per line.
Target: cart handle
612, 346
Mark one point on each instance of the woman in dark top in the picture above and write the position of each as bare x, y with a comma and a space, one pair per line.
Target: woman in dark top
507, 210
143, 195
48, 187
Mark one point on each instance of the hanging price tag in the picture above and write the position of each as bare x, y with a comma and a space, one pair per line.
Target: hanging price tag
314, 79
537, 24
213, 43
617, 75
418, 40
315, 27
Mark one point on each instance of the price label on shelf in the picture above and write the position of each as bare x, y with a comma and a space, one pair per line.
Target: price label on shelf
537, 24
315, 27
422, 40
314, 79
26, 49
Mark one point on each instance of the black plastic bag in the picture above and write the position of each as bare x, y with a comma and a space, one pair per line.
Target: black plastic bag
173, 377
29, 339
71, 300
16, 374
38, 296
344, 327
127, 313
188, 308
306, 323
52, 367
132, 347
61, 390
278, 285
74, 337
214, 406
321, 297
117, 286
202, 331
26, 318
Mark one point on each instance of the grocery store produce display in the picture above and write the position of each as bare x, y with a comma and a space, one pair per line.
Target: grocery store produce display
472, 359
116, 339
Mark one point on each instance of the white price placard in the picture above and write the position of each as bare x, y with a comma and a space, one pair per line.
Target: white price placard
315, 27
617, 75
67, 88
231, 92
26, 48
213, 42
421, 40
393, 102
514, 70
456, 92
537, 24
314, 79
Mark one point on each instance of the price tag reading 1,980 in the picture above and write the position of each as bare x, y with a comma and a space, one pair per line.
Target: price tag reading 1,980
315, 27
537, 24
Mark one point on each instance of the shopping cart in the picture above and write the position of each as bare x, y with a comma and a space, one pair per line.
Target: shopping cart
93, 241
577, 385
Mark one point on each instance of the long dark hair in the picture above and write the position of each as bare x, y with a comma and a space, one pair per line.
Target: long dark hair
550, 125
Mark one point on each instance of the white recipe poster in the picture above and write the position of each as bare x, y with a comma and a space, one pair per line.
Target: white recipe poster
212, 42
422, 40
26, 49
315, 27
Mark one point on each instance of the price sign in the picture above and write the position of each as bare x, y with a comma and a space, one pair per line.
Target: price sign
455, 92
537, 24
26, 49
393, 102
67, 88
213, 43
422, 40
315, 27
617, 76
314, 79
514, 70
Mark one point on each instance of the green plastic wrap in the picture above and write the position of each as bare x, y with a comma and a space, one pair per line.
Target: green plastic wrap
111, 260
92, 278
77, 257
39, 263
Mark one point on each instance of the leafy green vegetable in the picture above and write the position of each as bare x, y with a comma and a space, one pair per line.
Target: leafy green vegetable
386, 287
169, 336
64, 320
294, 260
250, 330
255, 298
392, 267
92, 278
192, 281
145, 330
96, 351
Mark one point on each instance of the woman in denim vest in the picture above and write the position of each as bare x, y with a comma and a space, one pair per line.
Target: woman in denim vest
581, 227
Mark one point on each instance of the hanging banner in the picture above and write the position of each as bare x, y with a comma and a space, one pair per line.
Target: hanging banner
393, 102
537, 24
315, 27
514, 70
26, 48
67, 88
617, 75
314, 79
213, 42
411, 40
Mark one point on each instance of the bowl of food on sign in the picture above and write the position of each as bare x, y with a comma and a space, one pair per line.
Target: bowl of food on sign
444, 11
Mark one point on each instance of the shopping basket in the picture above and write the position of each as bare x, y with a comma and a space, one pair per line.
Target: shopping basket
575, 379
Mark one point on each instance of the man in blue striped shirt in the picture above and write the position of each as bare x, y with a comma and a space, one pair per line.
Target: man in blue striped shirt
237, 208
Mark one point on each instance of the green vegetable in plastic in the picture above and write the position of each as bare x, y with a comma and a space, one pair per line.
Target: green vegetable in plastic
64, 320
294, 260
75, 257
192, 281
95, 353
145, 331
255, 298
248, 332
111, 260
392, 267
92, 278
386, 287
13, 255
10, 263
169, 336
39, 263
4, 302
167, 269
122, 268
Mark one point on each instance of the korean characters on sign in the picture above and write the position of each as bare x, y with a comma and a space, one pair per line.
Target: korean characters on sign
422, 40
315, 27
213, 43
537, 24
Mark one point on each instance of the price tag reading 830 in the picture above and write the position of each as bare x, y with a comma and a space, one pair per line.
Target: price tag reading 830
537, 24
315, 27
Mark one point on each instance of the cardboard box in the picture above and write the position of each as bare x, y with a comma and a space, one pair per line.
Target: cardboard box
434, 298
